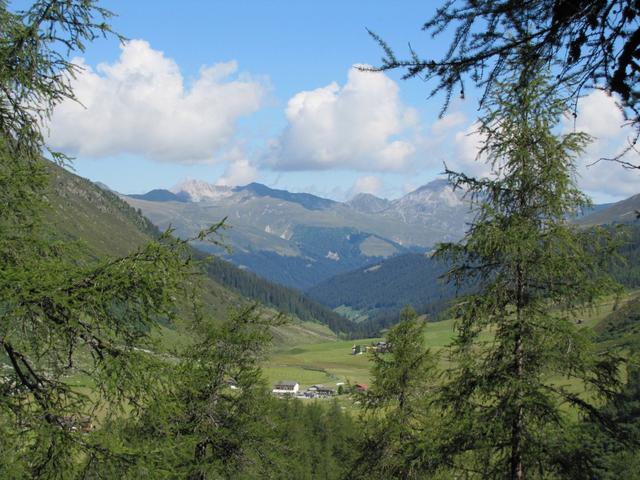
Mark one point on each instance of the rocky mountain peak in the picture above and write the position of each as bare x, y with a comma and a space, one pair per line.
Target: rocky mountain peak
201, 191
368, 203
436, 192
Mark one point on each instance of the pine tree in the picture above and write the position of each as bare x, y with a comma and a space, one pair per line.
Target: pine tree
517, 341
212, 418
398, 423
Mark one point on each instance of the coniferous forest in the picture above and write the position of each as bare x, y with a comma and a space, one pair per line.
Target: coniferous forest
126, 353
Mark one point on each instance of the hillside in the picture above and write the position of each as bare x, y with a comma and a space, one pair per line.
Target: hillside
108, 226
621, 328
80, 210
388, 286
279, 297
377, 292
620, 212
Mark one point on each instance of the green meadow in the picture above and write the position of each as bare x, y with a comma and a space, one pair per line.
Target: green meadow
331, 362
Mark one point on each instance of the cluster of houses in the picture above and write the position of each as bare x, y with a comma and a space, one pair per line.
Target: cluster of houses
83, 424
380, 347
292, 388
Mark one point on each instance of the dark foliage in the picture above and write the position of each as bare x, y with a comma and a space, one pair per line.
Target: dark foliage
406, 280
285, 299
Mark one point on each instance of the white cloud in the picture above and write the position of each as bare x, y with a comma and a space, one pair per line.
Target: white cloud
239, 170
467, 144
361, 126
366, 184
599, 116
448, 122
141, 105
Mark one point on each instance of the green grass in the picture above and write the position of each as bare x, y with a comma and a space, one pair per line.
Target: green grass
331, 362
327, 363
351, 314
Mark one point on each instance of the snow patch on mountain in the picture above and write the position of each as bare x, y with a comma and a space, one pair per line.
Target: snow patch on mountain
332, 256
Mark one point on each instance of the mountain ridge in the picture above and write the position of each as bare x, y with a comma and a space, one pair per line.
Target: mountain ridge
300, 239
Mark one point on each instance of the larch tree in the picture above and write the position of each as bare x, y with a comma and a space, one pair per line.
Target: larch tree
61, 315
399, 431
517, 343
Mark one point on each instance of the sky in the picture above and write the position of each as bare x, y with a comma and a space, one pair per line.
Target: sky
235, 92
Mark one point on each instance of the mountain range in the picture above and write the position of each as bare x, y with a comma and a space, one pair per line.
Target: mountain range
367, 277
375, 293
300, 239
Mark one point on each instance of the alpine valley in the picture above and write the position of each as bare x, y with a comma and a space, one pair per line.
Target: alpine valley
299, 239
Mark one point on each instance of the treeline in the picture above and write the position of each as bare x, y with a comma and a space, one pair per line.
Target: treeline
627, 271
282, 298
622, 327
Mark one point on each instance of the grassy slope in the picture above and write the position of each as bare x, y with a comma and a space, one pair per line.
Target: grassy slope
109, 227
621, 328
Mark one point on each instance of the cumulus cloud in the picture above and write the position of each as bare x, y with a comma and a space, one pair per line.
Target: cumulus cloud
367, 184
239, 170
362, 125
142, 105
468, 143
444, 125
599, 116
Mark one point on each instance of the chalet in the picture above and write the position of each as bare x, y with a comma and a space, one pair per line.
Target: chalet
286, 387
320, 391
360, 387
382, 347
358, 349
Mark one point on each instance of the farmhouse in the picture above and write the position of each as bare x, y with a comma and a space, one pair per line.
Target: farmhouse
286, 387
382, 347
319, 391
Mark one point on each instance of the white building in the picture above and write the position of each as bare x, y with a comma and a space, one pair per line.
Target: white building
286, 387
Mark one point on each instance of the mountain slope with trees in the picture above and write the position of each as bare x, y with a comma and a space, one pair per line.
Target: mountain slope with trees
107, 226
405, 280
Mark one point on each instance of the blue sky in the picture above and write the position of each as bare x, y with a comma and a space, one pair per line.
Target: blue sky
232, 92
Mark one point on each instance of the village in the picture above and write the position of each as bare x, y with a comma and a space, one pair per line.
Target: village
292, 388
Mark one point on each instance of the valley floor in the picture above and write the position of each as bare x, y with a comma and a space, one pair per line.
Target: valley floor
331, 362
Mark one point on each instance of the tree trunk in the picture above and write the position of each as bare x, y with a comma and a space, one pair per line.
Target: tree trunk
517, 425
517, 467
199, 454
